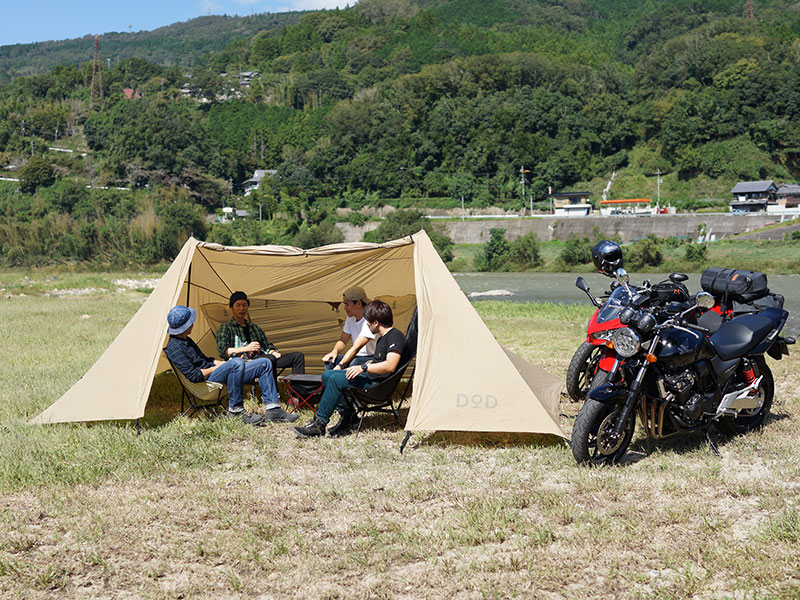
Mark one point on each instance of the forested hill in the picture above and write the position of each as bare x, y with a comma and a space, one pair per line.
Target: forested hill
410, 102
178, 44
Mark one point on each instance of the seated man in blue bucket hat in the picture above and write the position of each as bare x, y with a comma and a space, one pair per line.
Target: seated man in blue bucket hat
196, 366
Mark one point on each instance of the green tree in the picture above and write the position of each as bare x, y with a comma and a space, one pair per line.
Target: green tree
401, 223
495, 252
577, 251
35, 174
524, 252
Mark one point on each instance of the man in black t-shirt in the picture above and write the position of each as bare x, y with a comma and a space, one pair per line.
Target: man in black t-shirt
386, 359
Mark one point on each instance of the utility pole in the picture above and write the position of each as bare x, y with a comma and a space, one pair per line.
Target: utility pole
658, 189
522, 172
97, 75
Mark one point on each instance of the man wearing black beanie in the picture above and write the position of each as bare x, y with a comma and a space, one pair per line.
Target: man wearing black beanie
240, 337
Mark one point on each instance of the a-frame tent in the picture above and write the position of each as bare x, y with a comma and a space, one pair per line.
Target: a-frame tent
464, 379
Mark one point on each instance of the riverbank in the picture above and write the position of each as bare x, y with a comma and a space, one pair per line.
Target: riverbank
769, 256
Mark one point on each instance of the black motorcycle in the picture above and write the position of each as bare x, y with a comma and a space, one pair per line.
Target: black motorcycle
678, 378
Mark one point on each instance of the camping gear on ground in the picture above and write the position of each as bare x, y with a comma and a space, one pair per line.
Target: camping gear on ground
679, 378
296, 295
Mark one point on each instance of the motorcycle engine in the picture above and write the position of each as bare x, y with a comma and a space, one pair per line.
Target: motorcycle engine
680, 384
688, 388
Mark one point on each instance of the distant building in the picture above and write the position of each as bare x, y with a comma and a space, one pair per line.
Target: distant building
572, 204
753, 196
131, 94
788, 196
630, 206
255, 181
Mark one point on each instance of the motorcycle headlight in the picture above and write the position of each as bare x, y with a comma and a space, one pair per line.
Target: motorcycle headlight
626, 342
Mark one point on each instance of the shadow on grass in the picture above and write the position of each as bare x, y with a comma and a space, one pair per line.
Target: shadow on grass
488, 439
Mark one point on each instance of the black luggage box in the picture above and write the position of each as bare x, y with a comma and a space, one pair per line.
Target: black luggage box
734, 284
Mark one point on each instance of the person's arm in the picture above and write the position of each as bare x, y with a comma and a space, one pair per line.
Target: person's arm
182, 359
226, 340
358, 344
384, 367
338, 347
208, 370
259, 336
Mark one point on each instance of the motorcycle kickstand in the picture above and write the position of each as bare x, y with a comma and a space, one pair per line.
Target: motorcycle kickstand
711, 443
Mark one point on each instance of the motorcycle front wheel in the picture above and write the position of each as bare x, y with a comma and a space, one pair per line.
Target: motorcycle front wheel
592, 439
748, 420
581, 370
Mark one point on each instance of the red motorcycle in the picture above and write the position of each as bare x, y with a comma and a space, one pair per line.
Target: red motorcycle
595, 359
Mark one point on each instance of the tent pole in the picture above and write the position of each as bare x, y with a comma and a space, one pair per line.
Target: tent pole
188, 283
405, 440
138, 428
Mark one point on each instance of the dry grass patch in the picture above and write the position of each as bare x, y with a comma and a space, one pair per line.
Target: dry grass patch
193, 508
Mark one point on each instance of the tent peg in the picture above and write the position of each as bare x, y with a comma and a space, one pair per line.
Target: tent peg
405, 440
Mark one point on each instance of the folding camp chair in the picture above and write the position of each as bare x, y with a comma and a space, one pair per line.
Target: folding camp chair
379, 398
204, 395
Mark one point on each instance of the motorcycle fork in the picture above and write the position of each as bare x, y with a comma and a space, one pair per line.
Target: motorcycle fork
633, 394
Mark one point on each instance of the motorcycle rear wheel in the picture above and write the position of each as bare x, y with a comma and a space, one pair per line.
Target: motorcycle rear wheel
747, 421
591, 442
582, 369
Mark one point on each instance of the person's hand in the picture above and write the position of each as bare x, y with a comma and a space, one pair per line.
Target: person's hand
275, 353
353, 371
253, 347
329, 357
337, 368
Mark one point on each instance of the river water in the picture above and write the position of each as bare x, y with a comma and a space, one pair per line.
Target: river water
560, 287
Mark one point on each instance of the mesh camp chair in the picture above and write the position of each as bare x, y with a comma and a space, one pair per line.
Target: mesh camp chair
380, 398
204, 395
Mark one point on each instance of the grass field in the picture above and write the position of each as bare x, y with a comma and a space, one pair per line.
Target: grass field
194, 508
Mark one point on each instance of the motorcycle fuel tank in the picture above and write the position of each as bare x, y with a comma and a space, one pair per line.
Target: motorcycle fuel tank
680, 349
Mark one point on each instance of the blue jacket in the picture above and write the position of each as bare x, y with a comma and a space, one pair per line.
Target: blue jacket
188, 358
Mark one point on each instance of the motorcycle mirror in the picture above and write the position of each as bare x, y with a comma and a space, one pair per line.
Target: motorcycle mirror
704, 299
626, 314
678, 277
622, 276
580, 283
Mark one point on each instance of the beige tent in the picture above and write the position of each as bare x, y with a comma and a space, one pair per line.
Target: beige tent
464, 380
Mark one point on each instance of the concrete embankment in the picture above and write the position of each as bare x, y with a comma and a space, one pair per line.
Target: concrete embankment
474, 231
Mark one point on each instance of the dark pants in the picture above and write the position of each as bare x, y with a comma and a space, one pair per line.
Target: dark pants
295, 360
333, 397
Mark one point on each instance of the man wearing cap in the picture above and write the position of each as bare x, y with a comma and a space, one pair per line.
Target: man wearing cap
240, 337
355, 328
388, 352
196, 366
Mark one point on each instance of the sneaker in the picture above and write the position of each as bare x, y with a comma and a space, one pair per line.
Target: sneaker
314, 429
278, 415
345, 424
247, 418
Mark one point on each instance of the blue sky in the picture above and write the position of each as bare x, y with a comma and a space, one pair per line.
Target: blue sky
23, 21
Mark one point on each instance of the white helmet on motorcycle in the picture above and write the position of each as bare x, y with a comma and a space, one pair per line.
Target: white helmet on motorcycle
607, 257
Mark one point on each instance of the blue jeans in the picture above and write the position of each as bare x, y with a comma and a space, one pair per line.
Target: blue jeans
357, 360
235, 372
333, 398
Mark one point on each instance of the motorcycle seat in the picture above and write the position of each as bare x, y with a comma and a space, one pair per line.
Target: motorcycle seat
740, 335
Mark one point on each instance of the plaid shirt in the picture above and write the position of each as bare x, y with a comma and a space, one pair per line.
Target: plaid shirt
228, 332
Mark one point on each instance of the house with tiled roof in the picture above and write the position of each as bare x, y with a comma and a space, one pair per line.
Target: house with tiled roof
753, 196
